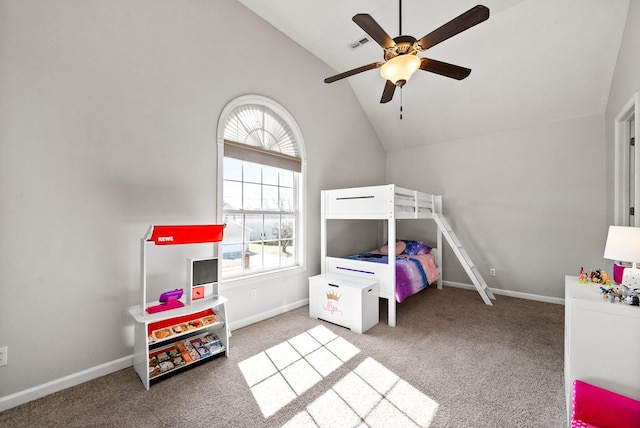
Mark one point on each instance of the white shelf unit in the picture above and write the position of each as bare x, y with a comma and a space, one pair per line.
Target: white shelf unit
146, 344
191, 323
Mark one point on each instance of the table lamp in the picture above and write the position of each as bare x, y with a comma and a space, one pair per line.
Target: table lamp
623, 245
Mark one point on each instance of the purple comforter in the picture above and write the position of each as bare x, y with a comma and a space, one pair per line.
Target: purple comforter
412, 272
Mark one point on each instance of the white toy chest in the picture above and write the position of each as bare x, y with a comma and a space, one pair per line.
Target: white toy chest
344, 300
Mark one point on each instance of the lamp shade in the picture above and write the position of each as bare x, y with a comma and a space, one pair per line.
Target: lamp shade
623, 244
400, 69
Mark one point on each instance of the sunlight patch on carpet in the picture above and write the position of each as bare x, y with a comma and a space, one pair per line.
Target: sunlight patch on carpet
370, 395
285, 371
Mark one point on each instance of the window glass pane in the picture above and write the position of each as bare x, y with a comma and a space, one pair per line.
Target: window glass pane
254, 227
231, 259
232, 192
271, 227
233, 230
272, 241
254, 259
270, 175
271, 254
288, 227
288, 252
232, 169
232, 245
286, 178
287, 240
252, 172
270, 197
251, 196
286, 199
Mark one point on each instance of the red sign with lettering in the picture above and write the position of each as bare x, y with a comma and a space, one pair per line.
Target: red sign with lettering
191, 234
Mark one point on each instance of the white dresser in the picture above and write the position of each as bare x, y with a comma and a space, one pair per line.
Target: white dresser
602, 341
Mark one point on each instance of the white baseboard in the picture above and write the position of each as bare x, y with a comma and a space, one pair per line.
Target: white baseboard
508, 293
22, 397
236, 324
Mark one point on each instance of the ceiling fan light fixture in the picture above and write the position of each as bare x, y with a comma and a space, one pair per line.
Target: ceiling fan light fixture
400, 69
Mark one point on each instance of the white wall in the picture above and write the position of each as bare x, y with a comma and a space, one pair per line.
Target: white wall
625, 83
109, 111
528, 202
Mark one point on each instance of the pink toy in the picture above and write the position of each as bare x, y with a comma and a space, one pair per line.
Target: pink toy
583, 276
168, 300
618, 270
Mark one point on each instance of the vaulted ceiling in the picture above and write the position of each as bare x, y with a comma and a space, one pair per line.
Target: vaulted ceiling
532, 61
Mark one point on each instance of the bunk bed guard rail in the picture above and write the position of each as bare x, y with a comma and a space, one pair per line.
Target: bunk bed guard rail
377, 202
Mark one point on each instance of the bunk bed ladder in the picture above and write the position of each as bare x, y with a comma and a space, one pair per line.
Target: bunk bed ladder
465, 260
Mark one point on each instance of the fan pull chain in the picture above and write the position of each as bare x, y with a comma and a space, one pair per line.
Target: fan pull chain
400, 102
400, 17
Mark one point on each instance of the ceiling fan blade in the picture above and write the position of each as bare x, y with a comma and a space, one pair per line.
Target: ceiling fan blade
372, 28
444, 69
387, 94
352, 72
472, 17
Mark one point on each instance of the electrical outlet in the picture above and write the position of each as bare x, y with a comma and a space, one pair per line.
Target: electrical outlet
253, 293
492, 272
3, 355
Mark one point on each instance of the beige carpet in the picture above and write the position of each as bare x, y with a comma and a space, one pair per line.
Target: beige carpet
451, 362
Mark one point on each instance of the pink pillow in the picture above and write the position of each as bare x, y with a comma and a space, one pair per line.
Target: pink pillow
594, 406
400, 246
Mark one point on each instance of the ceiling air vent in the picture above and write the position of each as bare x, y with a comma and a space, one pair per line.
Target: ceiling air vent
361, 41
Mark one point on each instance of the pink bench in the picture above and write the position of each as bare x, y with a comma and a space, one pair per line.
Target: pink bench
594, 407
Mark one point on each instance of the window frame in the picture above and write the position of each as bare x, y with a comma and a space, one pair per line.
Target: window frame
300, 197
621, 163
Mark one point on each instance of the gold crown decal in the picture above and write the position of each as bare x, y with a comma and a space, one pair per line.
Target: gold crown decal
333, 296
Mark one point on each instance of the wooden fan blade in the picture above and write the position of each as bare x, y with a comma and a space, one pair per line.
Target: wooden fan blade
387, 94
444, 69
472, 17
372, 28
352, 72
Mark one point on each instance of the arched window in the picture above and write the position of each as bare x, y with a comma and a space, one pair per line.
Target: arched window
260, 178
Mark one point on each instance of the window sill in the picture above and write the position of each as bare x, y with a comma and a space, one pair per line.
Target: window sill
237, 281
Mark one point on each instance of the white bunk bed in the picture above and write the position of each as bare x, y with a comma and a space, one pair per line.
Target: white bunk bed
390, 203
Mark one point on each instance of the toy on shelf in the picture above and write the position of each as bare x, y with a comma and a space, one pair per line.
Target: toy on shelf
611, 294
631, 296
168, 300
598, 277
622, 293
583, 278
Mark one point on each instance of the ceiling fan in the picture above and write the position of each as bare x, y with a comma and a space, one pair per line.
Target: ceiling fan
400, 53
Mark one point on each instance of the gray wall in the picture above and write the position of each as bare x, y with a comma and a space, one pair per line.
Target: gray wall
528, 202
109, 112
625, 83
